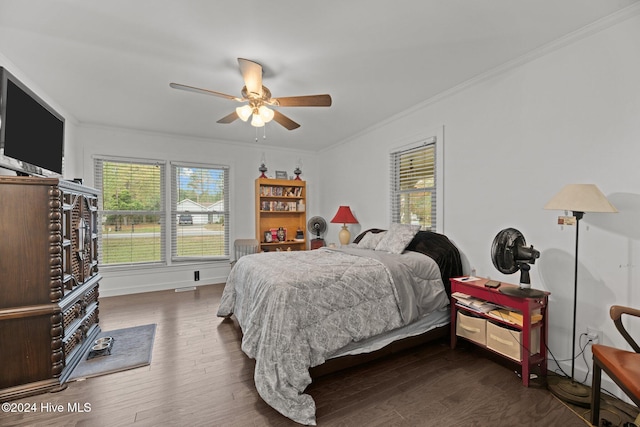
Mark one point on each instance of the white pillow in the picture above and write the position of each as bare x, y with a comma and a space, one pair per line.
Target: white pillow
397, 238
371, 240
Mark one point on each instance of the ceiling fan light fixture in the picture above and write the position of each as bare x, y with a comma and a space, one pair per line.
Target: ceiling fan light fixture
266, 114
257, 121
244, 112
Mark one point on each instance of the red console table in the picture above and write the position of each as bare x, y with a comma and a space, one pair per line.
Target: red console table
526, 306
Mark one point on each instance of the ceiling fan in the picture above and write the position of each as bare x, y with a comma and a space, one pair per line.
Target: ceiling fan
258, 99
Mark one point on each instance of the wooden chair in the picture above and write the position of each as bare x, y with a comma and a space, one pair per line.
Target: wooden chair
622, 366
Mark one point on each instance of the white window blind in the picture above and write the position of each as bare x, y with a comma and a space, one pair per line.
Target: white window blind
132, 211
199, 212
413, 185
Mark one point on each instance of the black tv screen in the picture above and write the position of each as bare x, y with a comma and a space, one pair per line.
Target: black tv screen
31, 132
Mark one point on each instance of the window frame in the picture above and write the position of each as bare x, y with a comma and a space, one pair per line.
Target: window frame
175, 212
98, 163
436, 191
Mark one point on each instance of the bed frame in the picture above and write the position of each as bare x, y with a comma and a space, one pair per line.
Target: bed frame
339, 363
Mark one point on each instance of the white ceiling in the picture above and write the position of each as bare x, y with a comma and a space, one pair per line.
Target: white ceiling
111, 62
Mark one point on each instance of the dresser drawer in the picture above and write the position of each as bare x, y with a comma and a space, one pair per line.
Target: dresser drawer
75, 339
78, 310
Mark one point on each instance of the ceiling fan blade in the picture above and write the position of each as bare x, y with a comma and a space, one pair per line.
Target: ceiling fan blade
284, 120
228, 118
304, 101
204, 91
252, 75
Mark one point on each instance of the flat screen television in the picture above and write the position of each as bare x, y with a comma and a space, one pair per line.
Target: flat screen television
31, 132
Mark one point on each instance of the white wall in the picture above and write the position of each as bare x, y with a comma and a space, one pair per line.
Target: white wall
243, 160
512, 140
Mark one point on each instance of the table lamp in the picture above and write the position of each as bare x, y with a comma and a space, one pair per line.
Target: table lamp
345, 217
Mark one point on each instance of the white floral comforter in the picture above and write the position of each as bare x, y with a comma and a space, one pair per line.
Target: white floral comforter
297, 308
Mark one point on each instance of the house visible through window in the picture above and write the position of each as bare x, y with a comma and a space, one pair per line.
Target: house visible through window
132, 211
413, 185
199, 212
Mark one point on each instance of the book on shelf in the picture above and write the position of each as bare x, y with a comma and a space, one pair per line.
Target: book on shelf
494, 310
536, 316
472, 303
514, 317
279, 191
279, 206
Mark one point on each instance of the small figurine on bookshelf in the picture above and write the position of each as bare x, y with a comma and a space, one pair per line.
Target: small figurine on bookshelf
297, 171
262, 167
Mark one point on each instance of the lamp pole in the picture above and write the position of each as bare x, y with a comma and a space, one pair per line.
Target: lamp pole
578, 216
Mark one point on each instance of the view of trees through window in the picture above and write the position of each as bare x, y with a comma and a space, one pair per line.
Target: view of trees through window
132, 211
413, 186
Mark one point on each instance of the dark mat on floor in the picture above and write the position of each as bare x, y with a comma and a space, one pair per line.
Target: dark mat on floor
131, 348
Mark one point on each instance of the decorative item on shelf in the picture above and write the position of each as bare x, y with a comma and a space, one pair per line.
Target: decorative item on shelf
262, 167
297, 171
299, 234
282, 235
345, 217
578, 198
281, 174
268, 237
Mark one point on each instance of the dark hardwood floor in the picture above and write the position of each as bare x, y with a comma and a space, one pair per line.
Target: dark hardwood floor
199, 377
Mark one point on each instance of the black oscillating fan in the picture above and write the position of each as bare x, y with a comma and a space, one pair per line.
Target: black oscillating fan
510, 253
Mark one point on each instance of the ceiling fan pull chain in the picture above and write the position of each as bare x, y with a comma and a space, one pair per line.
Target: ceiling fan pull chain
264, 135
256, 134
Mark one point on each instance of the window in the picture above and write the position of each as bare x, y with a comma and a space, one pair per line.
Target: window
132, 211
413, 185
199, 212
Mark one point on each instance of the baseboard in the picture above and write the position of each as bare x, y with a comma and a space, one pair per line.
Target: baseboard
110, 291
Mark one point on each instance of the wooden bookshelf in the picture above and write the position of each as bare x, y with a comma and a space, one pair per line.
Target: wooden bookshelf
281, 203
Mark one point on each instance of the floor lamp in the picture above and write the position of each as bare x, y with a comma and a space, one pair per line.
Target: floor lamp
578, 198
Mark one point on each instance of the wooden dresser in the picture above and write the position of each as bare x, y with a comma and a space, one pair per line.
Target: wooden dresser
48, 281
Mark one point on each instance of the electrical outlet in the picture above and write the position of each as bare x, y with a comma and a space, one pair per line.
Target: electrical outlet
196, 275
594, 335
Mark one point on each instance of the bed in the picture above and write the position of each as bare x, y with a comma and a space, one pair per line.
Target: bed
302, 310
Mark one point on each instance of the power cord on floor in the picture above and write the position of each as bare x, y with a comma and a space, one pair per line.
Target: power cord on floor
582, 353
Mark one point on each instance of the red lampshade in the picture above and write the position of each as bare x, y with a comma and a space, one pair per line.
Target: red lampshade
344, 216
